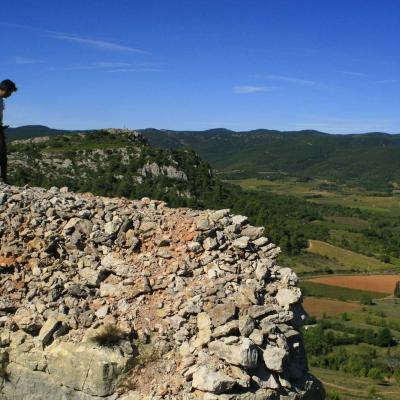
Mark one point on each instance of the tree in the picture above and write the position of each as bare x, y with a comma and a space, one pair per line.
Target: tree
397, 289
384, 338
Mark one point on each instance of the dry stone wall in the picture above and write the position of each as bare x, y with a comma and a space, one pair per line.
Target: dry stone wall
105, 298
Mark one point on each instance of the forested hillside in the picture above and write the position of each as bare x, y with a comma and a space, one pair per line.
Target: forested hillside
370, 160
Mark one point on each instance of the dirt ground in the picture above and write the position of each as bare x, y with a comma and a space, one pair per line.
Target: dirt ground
373, 283
317, 307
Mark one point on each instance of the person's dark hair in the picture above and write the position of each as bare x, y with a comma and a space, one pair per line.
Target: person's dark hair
8, 86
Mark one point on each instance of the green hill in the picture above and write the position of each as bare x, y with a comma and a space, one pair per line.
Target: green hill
111, 162
31, 131
370, 160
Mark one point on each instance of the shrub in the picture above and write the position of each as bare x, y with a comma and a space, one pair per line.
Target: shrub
376, 374
332, 395
397, 289
366, 300
397, 375
109, 336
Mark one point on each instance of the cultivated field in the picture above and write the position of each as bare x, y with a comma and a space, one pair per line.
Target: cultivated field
373, 283
320, 307
316, 289
347, 258
341, 195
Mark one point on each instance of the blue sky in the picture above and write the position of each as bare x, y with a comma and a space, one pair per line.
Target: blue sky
201, 64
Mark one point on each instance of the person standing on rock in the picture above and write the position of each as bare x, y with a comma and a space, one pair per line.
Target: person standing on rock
7, 88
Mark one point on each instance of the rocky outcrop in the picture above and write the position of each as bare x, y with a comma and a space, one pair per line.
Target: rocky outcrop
117, 161
105, 298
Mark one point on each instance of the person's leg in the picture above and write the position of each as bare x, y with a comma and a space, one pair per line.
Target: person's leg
3, 157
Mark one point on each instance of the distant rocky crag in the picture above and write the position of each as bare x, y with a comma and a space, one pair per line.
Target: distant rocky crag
112, 162
106, 298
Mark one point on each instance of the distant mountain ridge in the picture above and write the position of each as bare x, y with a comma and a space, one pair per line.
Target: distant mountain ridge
371, 160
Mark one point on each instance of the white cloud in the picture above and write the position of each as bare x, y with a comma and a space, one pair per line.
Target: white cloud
352, 73
251, 89
288, 79
136, 70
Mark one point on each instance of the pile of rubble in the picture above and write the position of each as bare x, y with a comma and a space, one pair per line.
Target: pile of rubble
117, 299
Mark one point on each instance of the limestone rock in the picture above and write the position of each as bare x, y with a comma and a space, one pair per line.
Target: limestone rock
243, 353
89, 284
274, 358
222, 313
86, 368
209, 380
286, 297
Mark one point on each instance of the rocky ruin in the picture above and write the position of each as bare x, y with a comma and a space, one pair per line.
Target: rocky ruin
107, 298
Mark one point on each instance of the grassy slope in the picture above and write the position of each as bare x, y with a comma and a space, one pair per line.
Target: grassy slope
349, 259
325, 257
353, 387
339, 195
337, 293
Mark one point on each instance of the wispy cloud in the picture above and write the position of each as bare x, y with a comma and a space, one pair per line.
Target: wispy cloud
296, 81
252, 89
78, 39
111, 66
136, 70
389, 81
287, 79
95, 43
25, 61
353, 73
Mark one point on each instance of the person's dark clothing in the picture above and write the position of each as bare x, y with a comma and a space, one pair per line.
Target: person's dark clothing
3, 155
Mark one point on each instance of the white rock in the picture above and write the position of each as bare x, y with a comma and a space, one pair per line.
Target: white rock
274, 358
286, 297
209, 380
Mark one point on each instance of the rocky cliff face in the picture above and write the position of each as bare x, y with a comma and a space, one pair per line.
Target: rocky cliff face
116, 299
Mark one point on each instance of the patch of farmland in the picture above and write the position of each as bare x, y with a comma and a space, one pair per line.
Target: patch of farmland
372, 283
319, 307
351, 259
316, 289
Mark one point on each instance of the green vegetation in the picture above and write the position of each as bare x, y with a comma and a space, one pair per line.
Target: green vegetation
343, 386
112, 164
370, 160
397, 290
352, 235
357, 350
338, 293
347, 258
